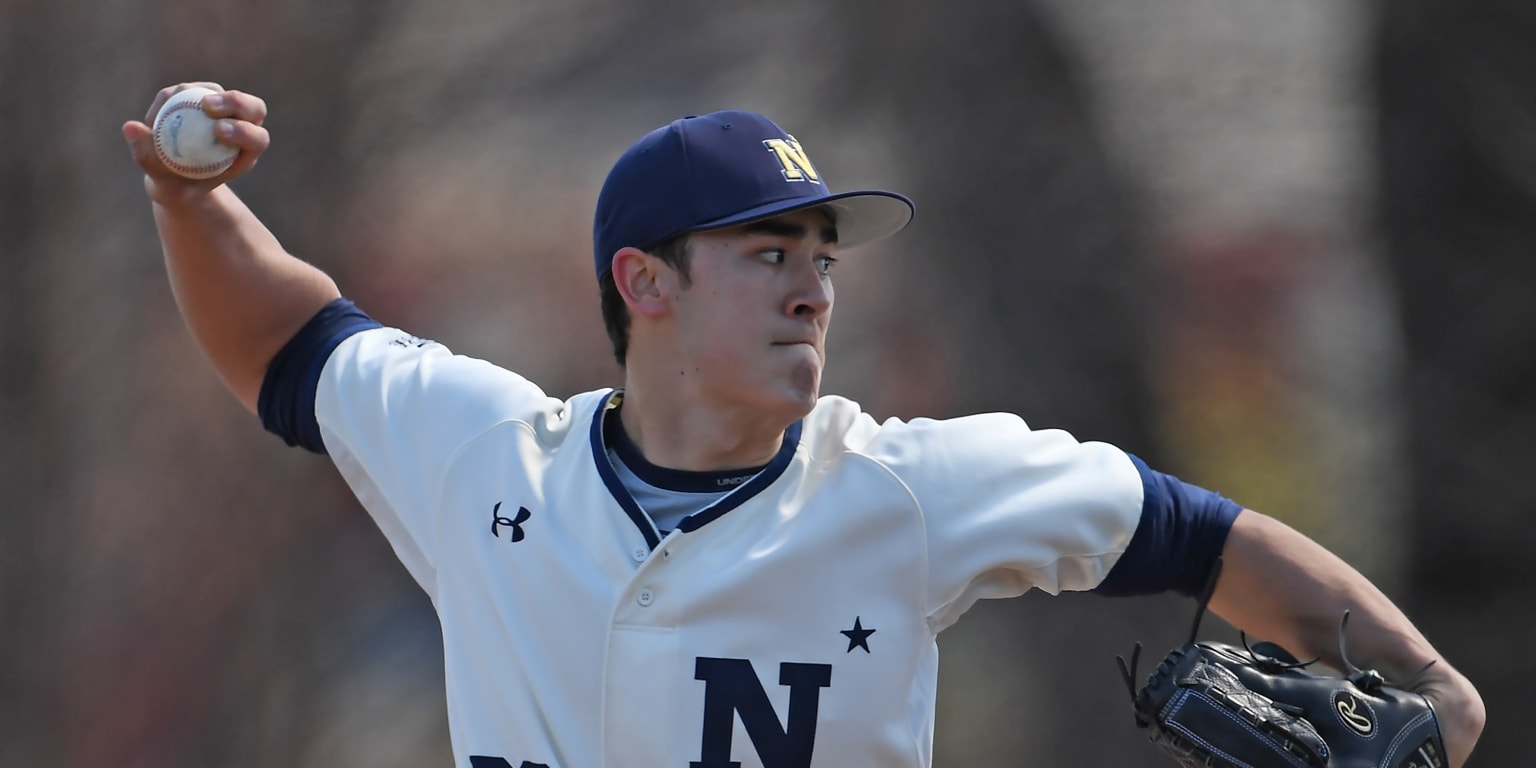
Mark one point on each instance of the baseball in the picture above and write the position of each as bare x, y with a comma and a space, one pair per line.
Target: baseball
184, 137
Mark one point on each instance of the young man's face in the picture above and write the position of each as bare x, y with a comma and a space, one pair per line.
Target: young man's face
753, 322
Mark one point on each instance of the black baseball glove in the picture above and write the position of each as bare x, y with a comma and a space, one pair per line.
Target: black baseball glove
1213, 705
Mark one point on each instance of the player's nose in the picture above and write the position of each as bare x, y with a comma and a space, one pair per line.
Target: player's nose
811, 295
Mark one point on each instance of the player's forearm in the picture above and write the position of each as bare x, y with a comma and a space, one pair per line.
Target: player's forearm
242, 295
1281, 586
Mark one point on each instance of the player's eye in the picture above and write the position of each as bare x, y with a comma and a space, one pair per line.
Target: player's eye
824, 264
772, 255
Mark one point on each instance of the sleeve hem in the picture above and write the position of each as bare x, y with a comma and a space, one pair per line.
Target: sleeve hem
286, 404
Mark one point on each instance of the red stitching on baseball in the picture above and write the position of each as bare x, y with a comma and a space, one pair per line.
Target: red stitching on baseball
172, 164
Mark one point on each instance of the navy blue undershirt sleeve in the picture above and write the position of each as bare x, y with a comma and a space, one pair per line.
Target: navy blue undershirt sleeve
287, 401
1182, 530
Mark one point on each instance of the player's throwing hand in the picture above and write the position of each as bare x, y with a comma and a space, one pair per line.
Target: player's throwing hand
239, 116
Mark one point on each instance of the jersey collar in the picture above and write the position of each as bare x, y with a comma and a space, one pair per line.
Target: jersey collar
693, 522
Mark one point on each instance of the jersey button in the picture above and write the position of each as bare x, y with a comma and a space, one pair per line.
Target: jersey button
640, 554
645, 598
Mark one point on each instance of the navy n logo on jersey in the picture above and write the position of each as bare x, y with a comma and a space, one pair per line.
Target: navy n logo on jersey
516, 523
482, 761
732, 689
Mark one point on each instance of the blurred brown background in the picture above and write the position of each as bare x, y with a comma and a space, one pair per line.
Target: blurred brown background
1281, 248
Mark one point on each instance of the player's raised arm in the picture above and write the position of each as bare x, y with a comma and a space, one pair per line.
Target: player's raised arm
242, 295
1279, 585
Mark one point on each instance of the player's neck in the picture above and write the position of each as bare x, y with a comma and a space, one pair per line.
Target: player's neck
677, 433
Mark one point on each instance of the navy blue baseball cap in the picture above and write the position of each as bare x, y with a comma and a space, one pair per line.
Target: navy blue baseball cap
720, 170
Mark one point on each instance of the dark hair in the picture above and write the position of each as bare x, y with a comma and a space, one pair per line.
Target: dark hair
673, 253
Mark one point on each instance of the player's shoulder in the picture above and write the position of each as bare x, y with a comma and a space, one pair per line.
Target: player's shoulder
844, 422
839, 425
400, 360
414, 377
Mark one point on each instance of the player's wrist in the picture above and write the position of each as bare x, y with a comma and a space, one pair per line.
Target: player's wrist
1459, 709
178, 196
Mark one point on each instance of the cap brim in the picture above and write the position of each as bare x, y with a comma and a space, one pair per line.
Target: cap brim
862, 217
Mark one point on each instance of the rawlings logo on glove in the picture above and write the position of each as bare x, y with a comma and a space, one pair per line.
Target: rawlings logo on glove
1213, 705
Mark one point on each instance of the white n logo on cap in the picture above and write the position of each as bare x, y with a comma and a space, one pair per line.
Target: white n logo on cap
797, 167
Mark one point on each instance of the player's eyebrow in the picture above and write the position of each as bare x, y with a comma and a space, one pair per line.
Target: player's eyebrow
781, 228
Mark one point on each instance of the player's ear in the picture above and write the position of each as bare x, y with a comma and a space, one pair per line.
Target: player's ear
639, 277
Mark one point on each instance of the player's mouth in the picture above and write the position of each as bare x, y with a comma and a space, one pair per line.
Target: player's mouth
808, 337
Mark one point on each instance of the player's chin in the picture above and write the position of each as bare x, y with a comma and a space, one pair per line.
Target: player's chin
787, 393
802, 387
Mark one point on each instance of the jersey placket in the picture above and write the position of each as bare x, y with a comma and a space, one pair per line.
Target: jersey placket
639, 689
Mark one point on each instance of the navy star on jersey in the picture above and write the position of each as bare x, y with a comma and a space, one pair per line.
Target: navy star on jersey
858, 637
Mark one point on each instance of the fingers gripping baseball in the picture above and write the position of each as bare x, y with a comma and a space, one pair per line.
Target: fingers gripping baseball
234, 123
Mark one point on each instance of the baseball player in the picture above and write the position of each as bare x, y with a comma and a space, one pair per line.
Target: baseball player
713, 565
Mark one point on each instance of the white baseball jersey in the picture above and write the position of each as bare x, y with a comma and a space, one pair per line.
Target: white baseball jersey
791, 623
